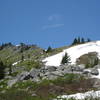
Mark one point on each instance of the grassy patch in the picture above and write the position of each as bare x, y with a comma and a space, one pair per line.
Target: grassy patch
47, 89
29, 64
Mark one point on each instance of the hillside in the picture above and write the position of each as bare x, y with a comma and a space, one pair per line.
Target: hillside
28, 72
74, 52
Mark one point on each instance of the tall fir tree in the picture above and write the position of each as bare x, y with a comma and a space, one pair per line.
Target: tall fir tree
49, 49
74, 42
88, 40
65, 59
2, 70
82, 40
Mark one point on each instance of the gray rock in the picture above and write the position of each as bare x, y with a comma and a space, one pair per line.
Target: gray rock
34, 72
23, 76
50, 77
96, 83
79, 67
34, 95
64, 68
94, 72
50, 68
86, 71
36, 79
57, 73
97, 66
11, 82
43, 70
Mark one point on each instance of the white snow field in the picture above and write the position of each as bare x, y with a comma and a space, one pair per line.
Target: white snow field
74, 52
80, 96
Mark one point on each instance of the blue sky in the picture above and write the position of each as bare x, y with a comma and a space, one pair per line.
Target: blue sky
48, 22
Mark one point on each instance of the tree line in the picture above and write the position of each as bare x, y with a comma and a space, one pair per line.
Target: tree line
80, 41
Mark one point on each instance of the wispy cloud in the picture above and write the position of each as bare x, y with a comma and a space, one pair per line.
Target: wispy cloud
52, 26
54, 21
54, 17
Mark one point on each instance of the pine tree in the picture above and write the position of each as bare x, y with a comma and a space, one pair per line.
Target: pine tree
74, 42
88, 40
49, 49
82, 40
65, 59
2, 70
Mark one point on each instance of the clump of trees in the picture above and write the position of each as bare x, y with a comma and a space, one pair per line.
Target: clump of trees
80, 41
5, 45
66, 59
23, 47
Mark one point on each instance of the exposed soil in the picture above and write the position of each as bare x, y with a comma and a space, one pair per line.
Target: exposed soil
82, 86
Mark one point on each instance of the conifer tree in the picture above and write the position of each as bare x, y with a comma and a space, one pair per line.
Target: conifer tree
74, 42
88, 40
65, 59
49, 49
82, 40
2, 70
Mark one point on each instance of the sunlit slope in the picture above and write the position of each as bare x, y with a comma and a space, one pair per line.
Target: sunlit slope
74, 52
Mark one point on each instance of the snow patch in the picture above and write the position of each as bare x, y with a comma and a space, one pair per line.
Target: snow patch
15, 63
96, 76
80, 96
74, 53
17, 45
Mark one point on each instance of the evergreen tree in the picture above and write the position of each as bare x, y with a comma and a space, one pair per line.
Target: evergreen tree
65, 59
22, 44
88, 40
2, 70
74, 42
82, 40
49, 49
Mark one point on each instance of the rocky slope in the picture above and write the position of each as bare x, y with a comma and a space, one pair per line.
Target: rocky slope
29, 72
74, 52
